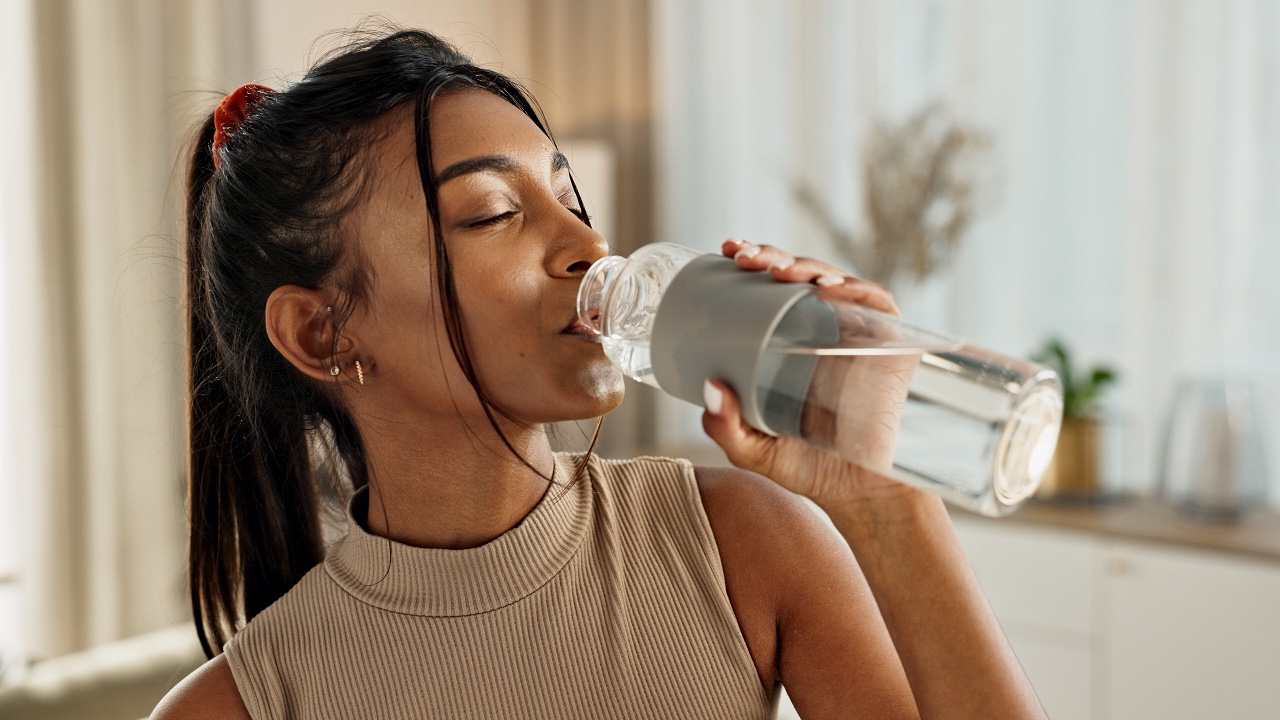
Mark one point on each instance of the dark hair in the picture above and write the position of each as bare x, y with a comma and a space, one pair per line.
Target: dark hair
264, 438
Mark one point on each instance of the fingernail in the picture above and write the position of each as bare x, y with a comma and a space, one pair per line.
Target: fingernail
749, 251
829, 280
712, 398
782, 264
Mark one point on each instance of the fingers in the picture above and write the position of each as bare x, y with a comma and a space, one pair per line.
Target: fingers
781, 264
745, 446
755, 257
784, 267
730, 247
857, 290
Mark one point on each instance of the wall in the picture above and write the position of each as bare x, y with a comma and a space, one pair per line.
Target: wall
284, 33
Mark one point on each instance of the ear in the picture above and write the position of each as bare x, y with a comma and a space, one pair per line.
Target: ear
301, 328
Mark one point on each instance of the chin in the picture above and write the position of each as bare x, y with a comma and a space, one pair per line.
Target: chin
609, 381
601, 391
588, 394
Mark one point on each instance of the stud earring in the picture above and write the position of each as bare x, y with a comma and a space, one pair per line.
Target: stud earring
328, 310
334, 371
359, 373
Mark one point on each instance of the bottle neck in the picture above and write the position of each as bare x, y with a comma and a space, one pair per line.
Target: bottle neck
595, 284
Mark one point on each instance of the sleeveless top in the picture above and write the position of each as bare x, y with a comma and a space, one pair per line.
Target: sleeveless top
606, 601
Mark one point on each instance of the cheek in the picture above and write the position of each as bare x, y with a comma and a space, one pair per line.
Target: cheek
505, 332
500, 315
522, 361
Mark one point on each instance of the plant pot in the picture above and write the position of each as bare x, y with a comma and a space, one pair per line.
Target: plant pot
1074, 471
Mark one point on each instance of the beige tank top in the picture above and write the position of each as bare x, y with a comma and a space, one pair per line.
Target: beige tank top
607, 601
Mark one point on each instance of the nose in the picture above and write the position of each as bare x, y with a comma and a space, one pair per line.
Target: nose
577, 246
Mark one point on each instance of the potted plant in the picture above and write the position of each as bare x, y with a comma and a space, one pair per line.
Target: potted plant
1074, 471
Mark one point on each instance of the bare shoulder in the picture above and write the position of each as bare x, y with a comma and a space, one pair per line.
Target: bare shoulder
209, 693
801, 600
774, 550
756, 520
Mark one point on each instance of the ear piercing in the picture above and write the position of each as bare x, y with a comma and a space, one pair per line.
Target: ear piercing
359, 372
335, 370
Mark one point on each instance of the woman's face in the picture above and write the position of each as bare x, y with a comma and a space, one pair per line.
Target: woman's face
518, 252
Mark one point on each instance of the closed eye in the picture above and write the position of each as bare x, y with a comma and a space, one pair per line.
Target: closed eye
492, 220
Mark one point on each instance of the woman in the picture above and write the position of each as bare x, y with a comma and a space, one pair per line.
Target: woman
383, 261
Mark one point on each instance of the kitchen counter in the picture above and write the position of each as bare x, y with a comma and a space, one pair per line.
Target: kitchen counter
1255, 534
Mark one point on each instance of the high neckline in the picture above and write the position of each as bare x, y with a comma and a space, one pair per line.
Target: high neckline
437, 582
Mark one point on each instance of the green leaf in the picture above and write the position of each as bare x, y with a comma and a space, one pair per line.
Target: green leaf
1102, 377
1080, 393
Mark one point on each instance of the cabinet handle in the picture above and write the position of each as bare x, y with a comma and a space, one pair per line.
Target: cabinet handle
1118, 565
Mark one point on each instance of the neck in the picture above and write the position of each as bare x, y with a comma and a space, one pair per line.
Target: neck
460, 489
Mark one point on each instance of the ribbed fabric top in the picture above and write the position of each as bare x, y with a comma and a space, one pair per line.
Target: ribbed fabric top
606, 601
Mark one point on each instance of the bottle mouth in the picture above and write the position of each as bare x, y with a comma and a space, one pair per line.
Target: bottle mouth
593, 290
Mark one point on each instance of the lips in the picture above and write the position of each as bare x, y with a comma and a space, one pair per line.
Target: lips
580, 329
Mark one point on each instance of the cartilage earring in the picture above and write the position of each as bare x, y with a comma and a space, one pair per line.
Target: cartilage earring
359, 373
334, 371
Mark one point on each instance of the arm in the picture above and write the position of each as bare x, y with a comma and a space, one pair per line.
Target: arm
209, 693
801, 602
955, 656
957, 659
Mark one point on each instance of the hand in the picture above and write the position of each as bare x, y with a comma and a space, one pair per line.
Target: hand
869, 391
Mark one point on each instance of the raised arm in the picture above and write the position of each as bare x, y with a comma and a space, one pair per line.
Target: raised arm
956, 658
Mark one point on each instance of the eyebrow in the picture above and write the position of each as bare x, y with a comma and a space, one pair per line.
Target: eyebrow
493, 163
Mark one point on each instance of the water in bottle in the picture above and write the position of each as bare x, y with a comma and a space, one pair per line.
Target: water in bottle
975, 426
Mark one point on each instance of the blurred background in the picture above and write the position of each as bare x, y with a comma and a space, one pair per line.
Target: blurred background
1088, 181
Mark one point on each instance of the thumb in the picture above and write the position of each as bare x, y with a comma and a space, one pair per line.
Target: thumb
745, 446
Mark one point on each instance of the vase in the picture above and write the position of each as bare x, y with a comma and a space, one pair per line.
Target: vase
1074, 473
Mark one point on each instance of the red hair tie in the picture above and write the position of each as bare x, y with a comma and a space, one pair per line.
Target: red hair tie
233, 111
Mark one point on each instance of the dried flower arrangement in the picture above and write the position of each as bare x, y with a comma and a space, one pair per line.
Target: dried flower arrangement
921, 187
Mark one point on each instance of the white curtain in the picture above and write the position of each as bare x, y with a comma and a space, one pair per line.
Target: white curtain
93, 361
1136, 161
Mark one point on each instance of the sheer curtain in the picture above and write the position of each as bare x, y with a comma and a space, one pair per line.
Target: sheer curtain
105, 96
1136, 166
93, 345
15, 218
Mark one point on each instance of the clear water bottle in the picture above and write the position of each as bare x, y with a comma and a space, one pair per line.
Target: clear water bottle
974, 426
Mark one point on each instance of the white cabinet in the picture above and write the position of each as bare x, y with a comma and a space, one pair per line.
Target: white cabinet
1190, 635
1111, 629
1040, 583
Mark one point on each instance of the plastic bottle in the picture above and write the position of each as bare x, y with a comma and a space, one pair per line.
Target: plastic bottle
977, 427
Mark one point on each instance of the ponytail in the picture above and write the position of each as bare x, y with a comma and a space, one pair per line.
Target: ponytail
255, 526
